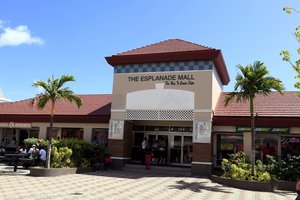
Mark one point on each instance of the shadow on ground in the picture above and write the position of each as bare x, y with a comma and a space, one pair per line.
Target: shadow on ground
135, 174
198, 187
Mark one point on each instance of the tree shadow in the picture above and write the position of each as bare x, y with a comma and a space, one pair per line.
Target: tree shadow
198, 187
138, 174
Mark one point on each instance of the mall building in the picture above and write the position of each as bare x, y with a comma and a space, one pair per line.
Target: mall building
170, 93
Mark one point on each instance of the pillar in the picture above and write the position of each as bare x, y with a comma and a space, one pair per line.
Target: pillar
119, 143
43, 132
202, 148
87, 133
247, 143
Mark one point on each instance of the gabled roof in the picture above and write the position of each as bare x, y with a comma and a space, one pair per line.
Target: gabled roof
93, 105
273, 105
167, 46
172, 50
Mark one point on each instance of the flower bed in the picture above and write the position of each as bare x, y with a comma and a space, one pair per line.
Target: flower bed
246, 185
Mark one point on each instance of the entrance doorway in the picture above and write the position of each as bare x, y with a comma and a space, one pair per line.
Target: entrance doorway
181, 149
178, 146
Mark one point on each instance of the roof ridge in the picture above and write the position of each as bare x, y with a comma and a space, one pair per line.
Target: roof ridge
143, 46
196, 44
161, 42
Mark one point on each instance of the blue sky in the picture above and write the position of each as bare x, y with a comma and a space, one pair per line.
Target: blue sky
51, 37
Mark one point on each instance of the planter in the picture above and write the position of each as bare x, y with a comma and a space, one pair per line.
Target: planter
41, 171
247, 185
286, 185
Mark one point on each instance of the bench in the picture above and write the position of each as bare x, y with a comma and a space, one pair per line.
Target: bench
26, 162
4, 159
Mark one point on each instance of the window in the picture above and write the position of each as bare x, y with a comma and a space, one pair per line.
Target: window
72, 133
228, 144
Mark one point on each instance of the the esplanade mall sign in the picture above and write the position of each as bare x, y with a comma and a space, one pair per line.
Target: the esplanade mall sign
180, 79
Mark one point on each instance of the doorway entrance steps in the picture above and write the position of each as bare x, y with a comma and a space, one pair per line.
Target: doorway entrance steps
160, 170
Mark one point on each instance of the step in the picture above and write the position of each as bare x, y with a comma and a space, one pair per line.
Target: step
167, 170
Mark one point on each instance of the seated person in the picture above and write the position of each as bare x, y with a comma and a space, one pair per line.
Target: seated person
21, 149
33, 152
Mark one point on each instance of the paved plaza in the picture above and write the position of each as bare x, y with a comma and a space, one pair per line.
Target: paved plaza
122, 184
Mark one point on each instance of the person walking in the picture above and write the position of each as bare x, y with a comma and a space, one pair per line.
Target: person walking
148, 153
143, 153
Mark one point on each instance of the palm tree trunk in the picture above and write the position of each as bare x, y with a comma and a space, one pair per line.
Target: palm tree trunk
252, 137
50, 133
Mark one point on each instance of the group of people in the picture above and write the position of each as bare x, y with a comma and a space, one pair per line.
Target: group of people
156, 149
37, 155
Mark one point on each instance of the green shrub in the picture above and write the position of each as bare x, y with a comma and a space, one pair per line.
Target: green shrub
30, 141
61, 157
238, 167
83, 151
284, 169
39, 142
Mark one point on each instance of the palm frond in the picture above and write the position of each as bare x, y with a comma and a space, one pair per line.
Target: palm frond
252, 80
64, 79
40, 101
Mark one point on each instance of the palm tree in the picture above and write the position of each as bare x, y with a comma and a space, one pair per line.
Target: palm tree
54, 91
251, 82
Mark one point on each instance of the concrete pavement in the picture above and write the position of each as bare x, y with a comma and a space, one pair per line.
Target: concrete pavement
123, 184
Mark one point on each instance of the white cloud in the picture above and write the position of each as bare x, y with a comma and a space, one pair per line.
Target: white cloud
18, 36
1, 24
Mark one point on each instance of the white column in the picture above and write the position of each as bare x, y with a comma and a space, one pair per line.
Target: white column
59, 130
247, 143
87, 133
43, 132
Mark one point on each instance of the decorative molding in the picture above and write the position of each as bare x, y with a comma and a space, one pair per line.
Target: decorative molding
204, 110
202, 163
118, 110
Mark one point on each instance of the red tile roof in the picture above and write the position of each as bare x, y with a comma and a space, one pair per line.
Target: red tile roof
93, 104
273, 105
172, 50
167, 46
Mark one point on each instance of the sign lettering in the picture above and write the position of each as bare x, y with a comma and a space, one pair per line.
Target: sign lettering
182, 79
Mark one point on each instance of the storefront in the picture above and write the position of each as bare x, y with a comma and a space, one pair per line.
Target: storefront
19, 120
277, 122
13, 134
168, 90
170, 93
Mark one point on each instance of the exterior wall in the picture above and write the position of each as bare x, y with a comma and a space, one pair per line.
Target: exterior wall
294, 130
122, 86
224, 128
178, 89
216, 88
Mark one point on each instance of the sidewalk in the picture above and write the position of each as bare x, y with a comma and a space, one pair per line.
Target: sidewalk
124, 184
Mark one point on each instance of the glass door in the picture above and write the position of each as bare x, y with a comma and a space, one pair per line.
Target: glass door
175, 150
187, 149
181, 149
162, 140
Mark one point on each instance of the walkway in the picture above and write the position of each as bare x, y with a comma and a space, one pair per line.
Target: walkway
125, 184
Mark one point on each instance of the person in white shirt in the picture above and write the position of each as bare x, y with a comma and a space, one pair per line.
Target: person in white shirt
43, 156
33, 152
